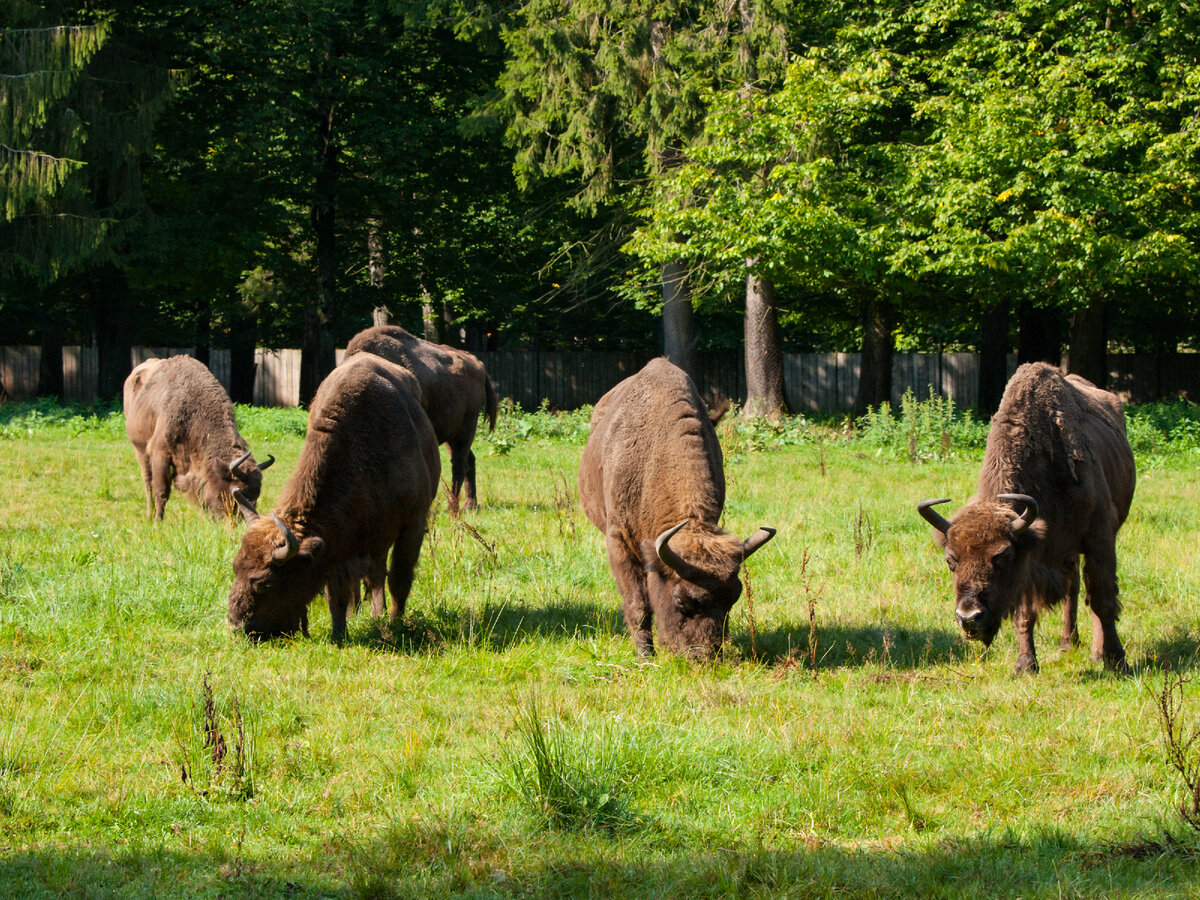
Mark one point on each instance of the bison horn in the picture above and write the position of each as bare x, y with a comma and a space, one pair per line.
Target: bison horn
263, 466
671, 559
1023, 521
247, 508
932, 516
291, 546
233, 466
756, 540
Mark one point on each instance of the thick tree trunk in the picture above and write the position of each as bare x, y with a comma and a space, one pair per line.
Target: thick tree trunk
679, 324
1039, 337
764, 351
1089, 343
875, 380
318, 356
110, 294
993, 358
50, 364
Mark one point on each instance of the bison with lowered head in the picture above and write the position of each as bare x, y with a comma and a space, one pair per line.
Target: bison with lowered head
651, 479
1057, 481
454, 388
367, 475
181, 424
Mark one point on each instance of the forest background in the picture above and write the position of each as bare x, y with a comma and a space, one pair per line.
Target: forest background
670, 176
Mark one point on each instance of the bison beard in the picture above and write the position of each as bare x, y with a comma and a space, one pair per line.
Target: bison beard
1057, 483
363, 486
651, 480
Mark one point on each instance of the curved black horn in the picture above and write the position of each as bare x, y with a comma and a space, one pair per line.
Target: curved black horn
247, 508
671, 559
756, 540
1025, 519
233, 466
932, 516
291, 544
263, 466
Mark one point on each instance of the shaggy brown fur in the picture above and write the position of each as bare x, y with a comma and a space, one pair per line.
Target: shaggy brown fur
454, 388
1062, 442
651, 462
367, 475
182, 427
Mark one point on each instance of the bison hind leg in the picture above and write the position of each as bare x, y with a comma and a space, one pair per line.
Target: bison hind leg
374, 581
405, 553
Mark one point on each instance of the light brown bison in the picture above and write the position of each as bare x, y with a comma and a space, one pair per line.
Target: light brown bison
181, 424
1057, 481
651, 479
367, 475
454, 388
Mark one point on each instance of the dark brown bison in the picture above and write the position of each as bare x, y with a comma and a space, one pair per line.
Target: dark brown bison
1057, 481
181, 424
367, 475
651, 479
454, 388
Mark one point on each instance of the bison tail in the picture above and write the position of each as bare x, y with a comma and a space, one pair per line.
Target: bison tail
491, 402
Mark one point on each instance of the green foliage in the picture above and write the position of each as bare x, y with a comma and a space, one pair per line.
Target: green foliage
923, 429
515, 426
103, 418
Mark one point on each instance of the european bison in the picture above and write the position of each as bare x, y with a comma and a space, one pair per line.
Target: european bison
181, 424
1057, 481
454, 388
367, 475
651, 479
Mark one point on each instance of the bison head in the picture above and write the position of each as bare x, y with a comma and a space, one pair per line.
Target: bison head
244, 476
275, 575
693, 586
989, 549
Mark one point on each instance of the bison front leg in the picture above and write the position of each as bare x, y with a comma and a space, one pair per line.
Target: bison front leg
338, 594
1024, 621
470, 500
405, 553
1100, 579
1070, 632
147, 481
631, 582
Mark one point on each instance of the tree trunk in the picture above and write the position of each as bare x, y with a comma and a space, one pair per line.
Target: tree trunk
1039, 337
875, 381
679, 325
110, 292
764, 351
993, 358
50, 364
1089, 343
318, 356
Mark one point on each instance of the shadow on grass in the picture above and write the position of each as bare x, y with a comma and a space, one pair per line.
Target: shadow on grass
1178, 650
839, 646
459, 857
492, 627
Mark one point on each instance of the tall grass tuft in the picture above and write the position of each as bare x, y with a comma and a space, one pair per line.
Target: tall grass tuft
216, 757
569, 781
933, 428
1182, 743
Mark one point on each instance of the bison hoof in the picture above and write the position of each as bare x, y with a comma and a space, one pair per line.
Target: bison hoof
1113, 663
1066, 645
1027, 664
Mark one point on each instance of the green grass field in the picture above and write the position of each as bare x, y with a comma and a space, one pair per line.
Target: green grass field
504, 742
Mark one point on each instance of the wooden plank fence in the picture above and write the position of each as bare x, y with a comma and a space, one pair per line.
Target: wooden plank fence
814, 382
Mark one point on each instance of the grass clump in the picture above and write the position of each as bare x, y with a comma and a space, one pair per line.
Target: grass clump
923, 429
216, 756
567, 781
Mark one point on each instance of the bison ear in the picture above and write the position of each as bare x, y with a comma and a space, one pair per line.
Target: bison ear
312, 547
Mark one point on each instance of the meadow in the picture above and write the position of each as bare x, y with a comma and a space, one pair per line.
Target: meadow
504, 741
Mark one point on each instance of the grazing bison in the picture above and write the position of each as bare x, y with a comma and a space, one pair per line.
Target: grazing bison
367, 475
181, 424
651, 479
1057, 481
454, 388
